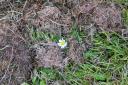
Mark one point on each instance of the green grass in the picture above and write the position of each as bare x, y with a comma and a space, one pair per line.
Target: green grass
43, 75
125, 16
106, 63
77, 33
125, 2
37, 36
109, 54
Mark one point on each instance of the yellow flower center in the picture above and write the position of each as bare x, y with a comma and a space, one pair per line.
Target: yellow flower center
62, 43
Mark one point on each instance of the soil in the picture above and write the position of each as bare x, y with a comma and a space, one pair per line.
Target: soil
17, 60
15, 66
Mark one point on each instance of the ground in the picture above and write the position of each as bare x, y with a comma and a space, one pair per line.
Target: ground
96, 35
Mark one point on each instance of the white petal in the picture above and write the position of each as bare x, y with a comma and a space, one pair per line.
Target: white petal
59, 44
60, 40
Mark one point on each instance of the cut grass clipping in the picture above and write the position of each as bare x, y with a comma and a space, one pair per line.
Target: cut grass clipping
106, 63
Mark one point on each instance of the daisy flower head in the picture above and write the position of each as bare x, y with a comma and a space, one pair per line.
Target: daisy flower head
62, 43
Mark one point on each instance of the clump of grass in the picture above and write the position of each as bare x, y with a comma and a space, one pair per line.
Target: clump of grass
42, 76
77, 33
109, 54
37, 35
105, 63
108, 46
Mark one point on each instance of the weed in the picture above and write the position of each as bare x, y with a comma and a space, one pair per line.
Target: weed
76, 33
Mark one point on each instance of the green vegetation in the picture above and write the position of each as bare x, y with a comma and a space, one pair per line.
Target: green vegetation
125, 16
109, 55
37, 35
77, 33
125, 2
106, 63
64, 42
43, 75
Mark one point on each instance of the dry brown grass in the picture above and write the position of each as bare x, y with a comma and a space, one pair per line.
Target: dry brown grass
53, 16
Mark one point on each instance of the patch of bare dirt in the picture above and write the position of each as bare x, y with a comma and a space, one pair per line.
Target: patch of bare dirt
49, 56
75, 51
15, 64
105, 15
49, 19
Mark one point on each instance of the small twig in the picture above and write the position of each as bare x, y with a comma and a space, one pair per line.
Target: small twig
10, 77
3, 18
18, 35
24, 5
12, 11
4, 47
49, 44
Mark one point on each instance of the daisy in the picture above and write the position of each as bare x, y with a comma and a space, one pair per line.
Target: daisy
62, 43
